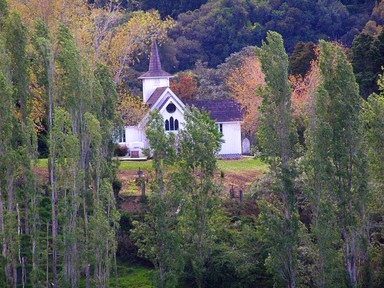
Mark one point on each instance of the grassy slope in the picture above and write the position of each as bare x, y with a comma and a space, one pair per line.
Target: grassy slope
129, 276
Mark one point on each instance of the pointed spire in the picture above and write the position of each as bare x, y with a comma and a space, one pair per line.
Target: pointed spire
154, 61
154, 64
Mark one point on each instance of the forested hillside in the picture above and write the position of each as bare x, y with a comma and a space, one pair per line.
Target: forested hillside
308, 75
212, 30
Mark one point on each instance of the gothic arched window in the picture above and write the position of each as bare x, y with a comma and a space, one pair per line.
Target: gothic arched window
171, 126
176, 124
166, 125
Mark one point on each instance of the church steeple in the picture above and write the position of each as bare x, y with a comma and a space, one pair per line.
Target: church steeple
155, 77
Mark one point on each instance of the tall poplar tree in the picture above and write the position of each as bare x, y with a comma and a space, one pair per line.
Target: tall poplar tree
159, 237
199, 144
18, 148
8, 163
337, 173
82, 165
279, 217
373, 117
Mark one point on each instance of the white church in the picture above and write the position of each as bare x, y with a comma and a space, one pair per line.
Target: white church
158, 95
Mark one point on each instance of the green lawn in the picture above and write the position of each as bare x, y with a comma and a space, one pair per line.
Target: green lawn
245, 163
136, 165
128, 276
42, 163
133, 276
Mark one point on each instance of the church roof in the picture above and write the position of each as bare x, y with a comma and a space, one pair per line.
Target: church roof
156, 95
221, 110
155, 69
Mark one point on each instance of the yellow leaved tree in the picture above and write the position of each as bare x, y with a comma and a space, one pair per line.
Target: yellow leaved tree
245, 83
128, 40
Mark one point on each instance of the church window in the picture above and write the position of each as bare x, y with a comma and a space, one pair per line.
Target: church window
220, 128
171, 108
171, 126
123, 139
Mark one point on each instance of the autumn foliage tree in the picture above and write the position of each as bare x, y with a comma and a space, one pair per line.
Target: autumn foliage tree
303, 97
130, 38
185, 87
245, 83
131, 108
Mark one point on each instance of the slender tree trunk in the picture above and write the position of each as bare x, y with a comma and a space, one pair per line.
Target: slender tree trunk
115, 264
350, 256
47, 258
10, 179
34, 241
86, 229
26, 213
87, 266
292, 276
51, 165
21, 258
14, 272
54, 226
4, 239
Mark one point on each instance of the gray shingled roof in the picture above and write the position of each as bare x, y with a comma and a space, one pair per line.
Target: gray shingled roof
221, 110
154, 64
156, 95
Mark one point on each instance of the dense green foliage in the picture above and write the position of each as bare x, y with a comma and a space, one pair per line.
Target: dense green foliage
367, 58
204, 33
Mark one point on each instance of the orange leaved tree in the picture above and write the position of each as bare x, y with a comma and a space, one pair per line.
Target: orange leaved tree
245, 83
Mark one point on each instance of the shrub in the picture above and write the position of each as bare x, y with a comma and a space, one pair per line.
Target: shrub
121, 150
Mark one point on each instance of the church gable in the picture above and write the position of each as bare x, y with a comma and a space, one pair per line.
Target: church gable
169, 106
163, 99
173, 114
